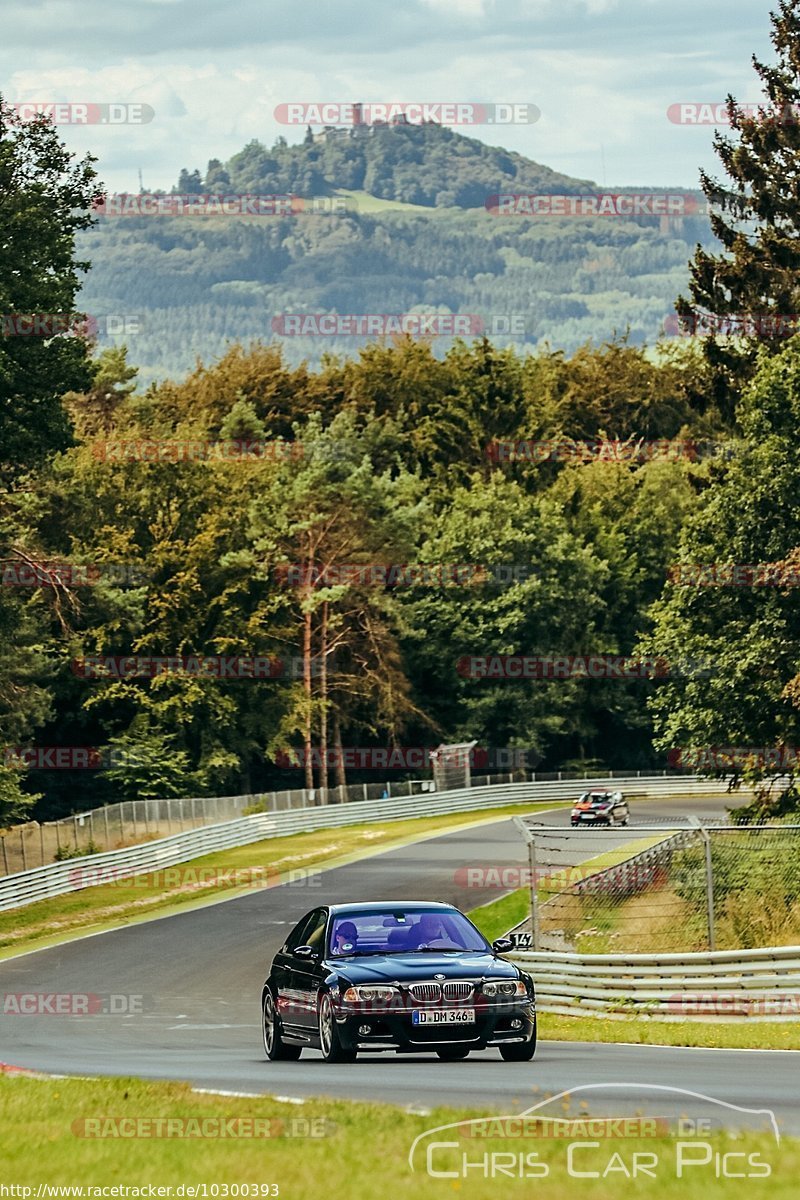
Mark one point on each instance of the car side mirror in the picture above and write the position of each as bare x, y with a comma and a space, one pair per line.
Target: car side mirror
304, 952
502, 945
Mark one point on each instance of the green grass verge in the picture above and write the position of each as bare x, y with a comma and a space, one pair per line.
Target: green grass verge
499, 916
364, 1148
213, 877
744, 1035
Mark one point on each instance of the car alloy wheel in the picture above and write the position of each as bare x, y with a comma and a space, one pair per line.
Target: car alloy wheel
275, 1048
329, 1042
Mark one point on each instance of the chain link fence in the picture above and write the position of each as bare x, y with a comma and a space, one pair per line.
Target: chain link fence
657, 888
132, 822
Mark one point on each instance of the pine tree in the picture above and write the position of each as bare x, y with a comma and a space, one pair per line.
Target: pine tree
755, 214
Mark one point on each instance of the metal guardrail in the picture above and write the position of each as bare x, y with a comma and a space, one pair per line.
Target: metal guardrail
25, 887
722, 985
115, 826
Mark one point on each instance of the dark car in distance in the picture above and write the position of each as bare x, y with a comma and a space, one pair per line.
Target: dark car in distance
408, 977
600, 808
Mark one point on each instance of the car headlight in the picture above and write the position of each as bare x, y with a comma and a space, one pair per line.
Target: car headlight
505, 988
354, 995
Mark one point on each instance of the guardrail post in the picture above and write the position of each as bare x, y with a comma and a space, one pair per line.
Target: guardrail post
5, 854
712, 939
105, 822
22, 848
534, 894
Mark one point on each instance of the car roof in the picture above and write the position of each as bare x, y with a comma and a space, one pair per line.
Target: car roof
370, 906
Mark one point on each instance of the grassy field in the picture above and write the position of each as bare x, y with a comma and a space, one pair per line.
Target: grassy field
363, 202
744, 1035
217, 876
59, 1132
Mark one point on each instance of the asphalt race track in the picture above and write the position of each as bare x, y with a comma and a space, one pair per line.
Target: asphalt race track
200, 975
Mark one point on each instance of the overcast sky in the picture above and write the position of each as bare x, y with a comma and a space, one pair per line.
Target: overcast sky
602, 72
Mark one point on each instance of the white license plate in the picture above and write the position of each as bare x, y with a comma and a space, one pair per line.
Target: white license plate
443, 1016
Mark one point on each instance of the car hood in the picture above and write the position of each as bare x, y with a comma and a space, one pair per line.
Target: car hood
400, 968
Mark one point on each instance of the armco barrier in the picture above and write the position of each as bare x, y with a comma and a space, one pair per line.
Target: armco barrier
724, 985
56, 879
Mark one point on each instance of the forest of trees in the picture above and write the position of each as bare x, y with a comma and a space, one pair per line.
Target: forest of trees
425, 164
196, 285
397, 455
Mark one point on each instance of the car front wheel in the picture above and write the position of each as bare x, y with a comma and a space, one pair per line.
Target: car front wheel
329, 1042
520, 1051
275, 1048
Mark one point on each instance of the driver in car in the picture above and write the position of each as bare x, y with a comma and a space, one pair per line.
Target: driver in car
430, 931
344, 938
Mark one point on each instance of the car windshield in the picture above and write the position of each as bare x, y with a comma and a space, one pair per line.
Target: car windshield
397, 932
598, 800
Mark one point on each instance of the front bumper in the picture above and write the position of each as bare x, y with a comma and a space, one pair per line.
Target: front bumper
393, 1029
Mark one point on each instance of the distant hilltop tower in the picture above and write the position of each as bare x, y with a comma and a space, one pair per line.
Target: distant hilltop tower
360, 126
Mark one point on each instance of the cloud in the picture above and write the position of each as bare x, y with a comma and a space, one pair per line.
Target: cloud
603, 72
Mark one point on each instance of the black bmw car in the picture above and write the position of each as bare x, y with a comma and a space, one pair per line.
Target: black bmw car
407, 977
